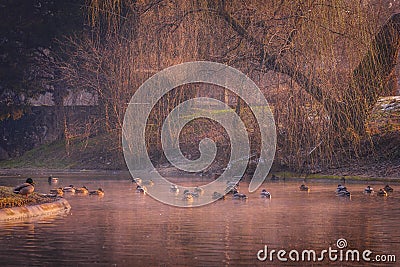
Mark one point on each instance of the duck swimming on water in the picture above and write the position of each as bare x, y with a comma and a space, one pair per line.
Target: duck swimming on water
141, 189
193, 194
340, 188
69, 189
382, 193
98, 192
303, 187
368, 190
238, 195
341, 191
265, 193
137, 181
82, 190
387, 188
199, 191
57, 191
188, 196
52, 180
174, 188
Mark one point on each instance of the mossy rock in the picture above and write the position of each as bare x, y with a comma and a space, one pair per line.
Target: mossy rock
9, 200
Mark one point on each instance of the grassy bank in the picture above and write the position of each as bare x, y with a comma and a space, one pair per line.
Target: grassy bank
380, 160
91, 153
46, 156
94, 156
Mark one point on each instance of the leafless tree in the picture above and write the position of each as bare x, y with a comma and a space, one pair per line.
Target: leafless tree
322, 64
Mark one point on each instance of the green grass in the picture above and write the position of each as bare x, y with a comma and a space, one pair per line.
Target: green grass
94, 153
52, 154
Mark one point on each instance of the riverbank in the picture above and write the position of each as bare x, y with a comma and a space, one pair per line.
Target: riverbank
172, 172
383, 165
379, 158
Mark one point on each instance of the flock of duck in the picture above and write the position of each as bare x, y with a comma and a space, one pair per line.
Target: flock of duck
141, 187
341, 190
29, 187
76, 190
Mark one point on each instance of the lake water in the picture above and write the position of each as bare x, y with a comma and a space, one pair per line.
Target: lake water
126, 228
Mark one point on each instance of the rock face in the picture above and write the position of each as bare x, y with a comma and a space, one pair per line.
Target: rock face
43, 125
58, 206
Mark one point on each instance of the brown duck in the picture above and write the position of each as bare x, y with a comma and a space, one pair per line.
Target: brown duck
25, 188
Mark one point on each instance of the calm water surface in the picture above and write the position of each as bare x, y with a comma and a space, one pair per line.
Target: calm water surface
125, 228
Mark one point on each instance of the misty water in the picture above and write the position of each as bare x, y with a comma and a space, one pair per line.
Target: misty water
126, 228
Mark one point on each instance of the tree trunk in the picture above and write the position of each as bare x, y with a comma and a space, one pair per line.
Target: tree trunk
370, 79
368, 82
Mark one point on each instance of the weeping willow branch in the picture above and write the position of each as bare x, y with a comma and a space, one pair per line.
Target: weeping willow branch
368, 82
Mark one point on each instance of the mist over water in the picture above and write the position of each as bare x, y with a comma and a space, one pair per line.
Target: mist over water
126, 228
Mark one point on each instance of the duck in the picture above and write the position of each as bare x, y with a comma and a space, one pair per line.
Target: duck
340, 188
174, 188
188, 197
147, 183
194, 194
57, 191
368, 190
303, 187
233, 191
199, 191
52, 180
217, 195
141, 189
239, 196
137, 181
343, 193
69, 189
82, 190
382, 192
265, 194
232, 188
387, 188
98, 192
26, 188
